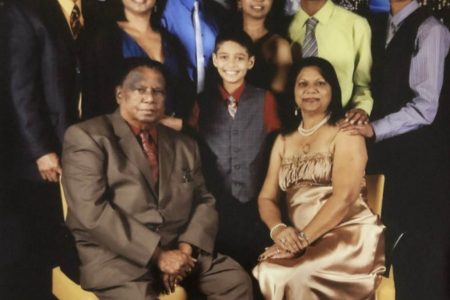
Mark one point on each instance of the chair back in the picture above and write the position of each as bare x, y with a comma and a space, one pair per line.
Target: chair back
375, 188
63, 198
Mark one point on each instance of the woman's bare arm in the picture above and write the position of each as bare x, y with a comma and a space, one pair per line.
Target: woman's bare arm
268, 197
349, 162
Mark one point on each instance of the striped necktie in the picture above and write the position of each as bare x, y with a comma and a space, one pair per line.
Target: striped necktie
232, 106
310, 43
199, 53
75, 21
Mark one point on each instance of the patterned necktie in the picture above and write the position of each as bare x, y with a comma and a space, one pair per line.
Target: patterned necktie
232, 106
310, 43
75, 21
199, 53
152, 154
391, 32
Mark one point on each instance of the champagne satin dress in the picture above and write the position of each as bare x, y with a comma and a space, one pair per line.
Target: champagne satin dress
345, 262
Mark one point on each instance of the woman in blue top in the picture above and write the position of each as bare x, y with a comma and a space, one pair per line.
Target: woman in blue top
136, 33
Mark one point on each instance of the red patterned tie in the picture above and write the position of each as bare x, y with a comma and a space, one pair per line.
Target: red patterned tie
152, 153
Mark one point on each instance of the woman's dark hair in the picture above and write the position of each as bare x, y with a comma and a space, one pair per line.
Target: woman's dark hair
118, 12
290, 121
238, 36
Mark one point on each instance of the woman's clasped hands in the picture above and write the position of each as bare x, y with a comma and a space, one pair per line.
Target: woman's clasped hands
289, 243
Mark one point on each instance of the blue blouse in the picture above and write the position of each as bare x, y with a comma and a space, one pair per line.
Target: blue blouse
130, 48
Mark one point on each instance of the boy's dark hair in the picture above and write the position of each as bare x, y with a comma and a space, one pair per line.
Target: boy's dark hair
132, 63
238, 36
327, 71
213, 78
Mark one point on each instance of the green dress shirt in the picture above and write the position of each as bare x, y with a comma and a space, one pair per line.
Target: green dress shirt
343, 38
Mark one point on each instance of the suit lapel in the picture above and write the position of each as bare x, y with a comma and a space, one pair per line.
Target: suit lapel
132, 149
165, 159
57, 22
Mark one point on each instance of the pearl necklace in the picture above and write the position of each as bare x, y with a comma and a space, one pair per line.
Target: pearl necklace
312, 130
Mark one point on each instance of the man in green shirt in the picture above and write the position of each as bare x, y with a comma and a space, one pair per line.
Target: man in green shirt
343, 38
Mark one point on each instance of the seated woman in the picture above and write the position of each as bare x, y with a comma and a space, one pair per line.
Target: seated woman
273, 52
136, 34
334, 248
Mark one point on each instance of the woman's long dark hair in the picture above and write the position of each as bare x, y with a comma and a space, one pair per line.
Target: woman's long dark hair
289, 120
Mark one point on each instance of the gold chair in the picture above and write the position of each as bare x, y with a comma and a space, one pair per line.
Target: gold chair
375, 188
64, 288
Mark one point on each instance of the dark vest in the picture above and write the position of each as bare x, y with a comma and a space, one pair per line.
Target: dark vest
390, 86
414, 161
235, 162
390, 78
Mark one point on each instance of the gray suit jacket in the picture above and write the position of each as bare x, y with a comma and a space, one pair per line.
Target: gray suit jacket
115, 215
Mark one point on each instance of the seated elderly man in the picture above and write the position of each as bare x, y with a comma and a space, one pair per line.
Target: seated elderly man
139, 210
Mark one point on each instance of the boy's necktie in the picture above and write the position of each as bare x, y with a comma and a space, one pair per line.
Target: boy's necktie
232, 106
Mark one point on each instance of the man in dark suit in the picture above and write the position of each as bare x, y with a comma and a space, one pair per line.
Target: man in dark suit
44, 74
138, 205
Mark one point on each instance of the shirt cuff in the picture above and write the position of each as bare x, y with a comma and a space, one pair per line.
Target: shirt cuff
380, 130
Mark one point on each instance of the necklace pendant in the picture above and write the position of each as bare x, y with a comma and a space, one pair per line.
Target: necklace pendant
306, 148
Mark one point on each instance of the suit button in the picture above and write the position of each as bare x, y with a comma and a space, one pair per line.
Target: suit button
77, 70
237, 167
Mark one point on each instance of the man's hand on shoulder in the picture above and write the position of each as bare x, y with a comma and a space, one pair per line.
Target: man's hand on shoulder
49, 167
172, 122
355, 116
365, 130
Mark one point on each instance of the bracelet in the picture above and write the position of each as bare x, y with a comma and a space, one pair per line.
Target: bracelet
302, 235
275, 227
